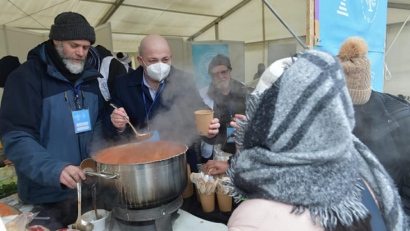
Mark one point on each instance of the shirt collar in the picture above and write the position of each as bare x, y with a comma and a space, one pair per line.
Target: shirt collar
146, 83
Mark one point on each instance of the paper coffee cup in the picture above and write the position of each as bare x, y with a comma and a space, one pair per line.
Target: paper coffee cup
203, 120
208, 202
224, 202
88, 165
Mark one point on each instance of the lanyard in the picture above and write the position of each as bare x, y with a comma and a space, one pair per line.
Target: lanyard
145, 103
230, 104
76, 91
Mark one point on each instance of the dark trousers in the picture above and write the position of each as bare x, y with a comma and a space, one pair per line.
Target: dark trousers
62, 213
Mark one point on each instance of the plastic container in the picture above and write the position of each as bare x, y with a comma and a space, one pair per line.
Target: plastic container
224, 202
208, 202
99, 225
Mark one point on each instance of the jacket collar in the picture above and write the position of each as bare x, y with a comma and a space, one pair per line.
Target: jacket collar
136, 77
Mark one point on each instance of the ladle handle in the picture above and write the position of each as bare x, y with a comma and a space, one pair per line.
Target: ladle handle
78, 203
128, 121
103, 175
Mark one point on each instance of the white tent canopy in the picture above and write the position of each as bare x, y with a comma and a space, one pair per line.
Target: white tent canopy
131, 20
248, 21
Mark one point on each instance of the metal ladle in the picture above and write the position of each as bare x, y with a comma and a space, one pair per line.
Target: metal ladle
94, 196
140, 136
80, 224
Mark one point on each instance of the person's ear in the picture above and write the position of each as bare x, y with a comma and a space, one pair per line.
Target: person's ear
139, 58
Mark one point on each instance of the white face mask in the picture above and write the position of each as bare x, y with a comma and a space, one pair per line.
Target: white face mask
158, 71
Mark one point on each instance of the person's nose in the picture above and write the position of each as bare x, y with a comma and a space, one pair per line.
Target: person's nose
80, 52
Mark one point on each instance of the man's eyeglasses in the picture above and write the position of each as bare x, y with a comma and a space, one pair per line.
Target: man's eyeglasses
216, 74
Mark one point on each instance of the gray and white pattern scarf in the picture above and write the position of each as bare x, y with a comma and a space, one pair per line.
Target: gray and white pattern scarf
297, 148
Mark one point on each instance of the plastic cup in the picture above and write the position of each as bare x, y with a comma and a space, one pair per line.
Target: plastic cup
203, 120
208, 202
224, 202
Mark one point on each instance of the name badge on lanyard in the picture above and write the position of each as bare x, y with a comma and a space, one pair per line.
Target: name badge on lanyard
230, 133
81, 120
80, 115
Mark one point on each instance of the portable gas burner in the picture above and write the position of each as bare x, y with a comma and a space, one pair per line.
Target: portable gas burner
153, 219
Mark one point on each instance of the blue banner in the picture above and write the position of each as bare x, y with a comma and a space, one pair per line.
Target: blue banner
202, 55
341, 19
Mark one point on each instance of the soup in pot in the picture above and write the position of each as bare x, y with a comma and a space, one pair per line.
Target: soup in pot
139, 153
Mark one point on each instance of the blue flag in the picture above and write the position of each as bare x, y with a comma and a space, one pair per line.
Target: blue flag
341, 19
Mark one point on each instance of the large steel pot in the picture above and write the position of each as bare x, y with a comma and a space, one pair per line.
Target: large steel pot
142, 175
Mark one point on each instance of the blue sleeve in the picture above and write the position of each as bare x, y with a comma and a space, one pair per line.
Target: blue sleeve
20, 119
32, 159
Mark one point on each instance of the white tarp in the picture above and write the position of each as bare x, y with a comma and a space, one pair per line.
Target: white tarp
179, 18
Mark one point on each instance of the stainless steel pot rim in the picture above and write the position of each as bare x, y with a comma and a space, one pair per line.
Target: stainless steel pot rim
150, 162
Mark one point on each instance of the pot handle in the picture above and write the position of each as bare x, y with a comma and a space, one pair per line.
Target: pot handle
102, 175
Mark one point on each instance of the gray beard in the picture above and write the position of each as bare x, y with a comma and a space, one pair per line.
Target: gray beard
222, 85
75, 68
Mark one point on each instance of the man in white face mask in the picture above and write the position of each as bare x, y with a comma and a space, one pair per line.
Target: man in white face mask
159, 98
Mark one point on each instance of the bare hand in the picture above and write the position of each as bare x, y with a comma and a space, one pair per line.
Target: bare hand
71, 175
219, 166
237, 116
213, 128
117, 118
8, 162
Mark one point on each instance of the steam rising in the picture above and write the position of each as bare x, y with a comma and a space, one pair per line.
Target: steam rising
177, 119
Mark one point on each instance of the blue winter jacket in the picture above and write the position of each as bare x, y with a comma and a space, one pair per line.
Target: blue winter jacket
37, 130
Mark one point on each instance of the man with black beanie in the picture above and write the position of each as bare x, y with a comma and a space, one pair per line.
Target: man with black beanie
54, 90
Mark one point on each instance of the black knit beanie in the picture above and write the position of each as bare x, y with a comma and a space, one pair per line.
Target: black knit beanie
71, 26
219, 60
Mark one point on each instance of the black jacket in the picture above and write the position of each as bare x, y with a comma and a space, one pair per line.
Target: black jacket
37, 130
383, 124
224, 106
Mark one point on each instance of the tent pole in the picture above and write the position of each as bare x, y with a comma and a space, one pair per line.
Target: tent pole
263, 34
284, 24
216, 31
310, 23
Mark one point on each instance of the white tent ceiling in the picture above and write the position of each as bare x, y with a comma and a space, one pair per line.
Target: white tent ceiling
131, 20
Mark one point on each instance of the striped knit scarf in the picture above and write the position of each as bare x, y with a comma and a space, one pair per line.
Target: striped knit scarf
297, 148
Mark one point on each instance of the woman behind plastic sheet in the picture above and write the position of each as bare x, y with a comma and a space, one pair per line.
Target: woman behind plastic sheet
298, 164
